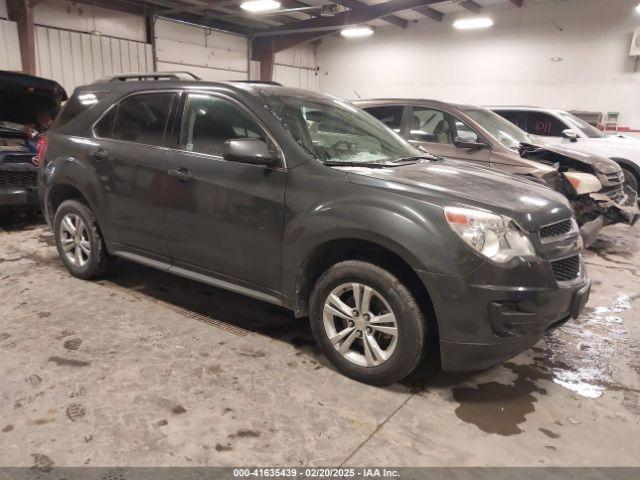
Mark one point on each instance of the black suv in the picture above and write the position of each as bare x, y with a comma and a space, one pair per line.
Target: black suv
303, 200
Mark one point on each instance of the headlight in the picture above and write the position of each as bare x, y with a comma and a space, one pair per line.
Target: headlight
583, 182
494, 236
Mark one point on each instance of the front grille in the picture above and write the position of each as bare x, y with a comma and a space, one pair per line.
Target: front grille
556, 229
610, 179
567, 268
17, 177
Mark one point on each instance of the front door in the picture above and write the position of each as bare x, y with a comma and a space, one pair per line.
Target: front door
225, 218
437, 132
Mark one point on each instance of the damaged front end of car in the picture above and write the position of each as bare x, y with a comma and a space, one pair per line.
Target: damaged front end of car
594, 185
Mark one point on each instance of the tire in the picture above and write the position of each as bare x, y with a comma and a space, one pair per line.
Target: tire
630, 178
94, 261
401, 356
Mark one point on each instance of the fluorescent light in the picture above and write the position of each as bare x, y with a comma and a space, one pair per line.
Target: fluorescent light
351, 32
260, 5
469, 23
638, 8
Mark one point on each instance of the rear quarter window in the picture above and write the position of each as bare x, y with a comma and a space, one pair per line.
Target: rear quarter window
79, 103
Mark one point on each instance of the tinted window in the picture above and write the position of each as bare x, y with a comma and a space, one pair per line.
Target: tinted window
76, 105
141, 119
209, 121
429, 125
390, 116
545, 125
517, 118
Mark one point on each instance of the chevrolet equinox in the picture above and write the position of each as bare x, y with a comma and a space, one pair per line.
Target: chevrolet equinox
398, 257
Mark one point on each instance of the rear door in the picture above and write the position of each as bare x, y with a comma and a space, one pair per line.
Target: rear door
436, 131
546, 125
131, 164
225, 218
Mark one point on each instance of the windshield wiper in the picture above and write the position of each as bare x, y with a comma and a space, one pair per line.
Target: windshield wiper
337, 163
416, 158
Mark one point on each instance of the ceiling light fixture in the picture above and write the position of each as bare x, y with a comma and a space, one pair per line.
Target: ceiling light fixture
638, 8
257, 6
469, 23
352, 32
556, 59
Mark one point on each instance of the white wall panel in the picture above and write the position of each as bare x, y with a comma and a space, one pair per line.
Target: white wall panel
294, 67
9, 46
90, 19
210, 54
74, 58
509, 63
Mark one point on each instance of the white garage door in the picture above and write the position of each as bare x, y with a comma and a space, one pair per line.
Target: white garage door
9, 46
74, 58
210, 54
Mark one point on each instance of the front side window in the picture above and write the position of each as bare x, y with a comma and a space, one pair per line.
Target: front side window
391, 116
334, 131
209, 121
429, 125
504, 131
515, 117
581, 126
544, 125
140, 118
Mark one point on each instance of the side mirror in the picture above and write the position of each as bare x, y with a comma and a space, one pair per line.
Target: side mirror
570, 134
468, 143
249, 150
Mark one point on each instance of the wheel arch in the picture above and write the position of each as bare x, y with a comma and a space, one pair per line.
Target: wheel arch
629, 165
330, 252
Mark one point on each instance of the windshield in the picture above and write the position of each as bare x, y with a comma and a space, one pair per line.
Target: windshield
589, 130
334, 131
503, 130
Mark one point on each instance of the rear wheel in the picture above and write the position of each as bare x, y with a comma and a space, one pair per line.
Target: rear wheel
367, 323
79, 241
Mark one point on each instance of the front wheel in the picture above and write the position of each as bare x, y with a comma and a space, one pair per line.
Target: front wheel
368, 323
630, 179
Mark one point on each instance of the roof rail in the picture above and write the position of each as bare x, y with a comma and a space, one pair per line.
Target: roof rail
132, 77
259, 82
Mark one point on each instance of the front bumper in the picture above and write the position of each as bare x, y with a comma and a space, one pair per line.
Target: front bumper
494, 314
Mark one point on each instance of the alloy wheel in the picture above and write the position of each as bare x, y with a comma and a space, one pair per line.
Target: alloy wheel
360, 324
74, 239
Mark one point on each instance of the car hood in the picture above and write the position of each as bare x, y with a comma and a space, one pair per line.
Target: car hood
22, 96
570, 156
451, 182
615, 146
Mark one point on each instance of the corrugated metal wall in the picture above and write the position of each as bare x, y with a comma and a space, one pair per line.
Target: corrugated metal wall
9, 46
296, 67
74, 58
210, 54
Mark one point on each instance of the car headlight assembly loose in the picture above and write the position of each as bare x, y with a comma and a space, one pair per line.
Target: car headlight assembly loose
583, 183
494, 236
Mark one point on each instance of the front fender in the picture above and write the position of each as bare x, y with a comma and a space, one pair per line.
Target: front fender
415, 231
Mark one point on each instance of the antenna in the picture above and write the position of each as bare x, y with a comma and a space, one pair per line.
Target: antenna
357, 94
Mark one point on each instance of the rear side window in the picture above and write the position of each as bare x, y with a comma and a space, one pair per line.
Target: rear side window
515, 117
391, 116
76, 105
545, 125
140, 118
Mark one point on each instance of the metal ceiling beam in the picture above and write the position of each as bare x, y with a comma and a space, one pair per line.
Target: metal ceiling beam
358, 5
268, 43
470, 5
430, 13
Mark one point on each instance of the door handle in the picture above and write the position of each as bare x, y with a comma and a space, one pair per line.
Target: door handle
181, 174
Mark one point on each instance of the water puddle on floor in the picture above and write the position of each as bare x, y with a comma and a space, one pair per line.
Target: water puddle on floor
579, 357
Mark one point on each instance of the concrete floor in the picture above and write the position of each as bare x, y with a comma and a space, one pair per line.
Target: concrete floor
148, 369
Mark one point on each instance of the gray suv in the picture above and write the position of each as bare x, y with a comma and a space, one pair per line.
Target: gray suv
398, 257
